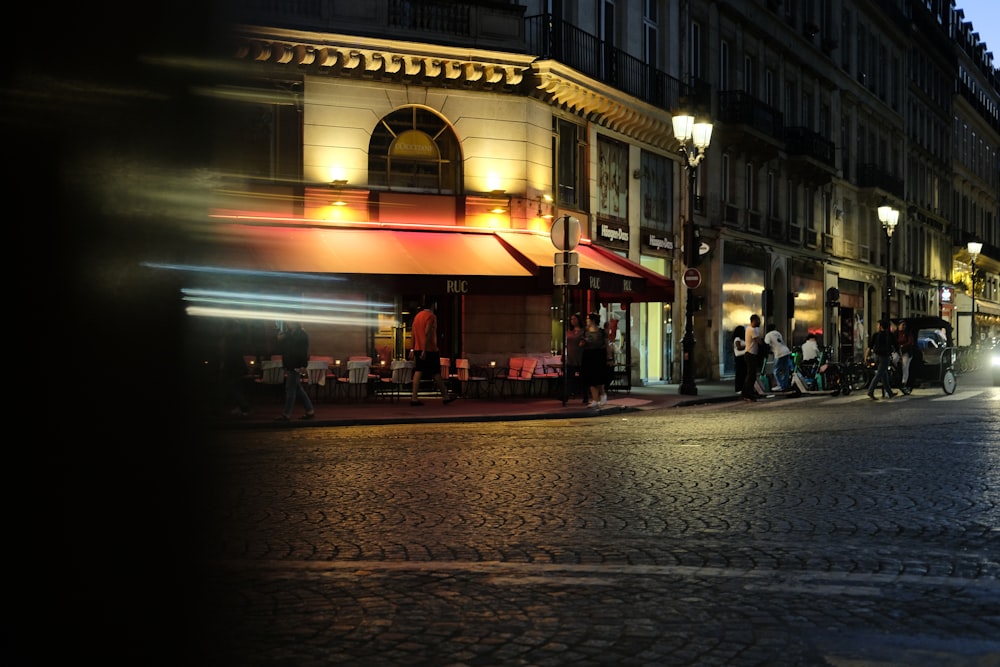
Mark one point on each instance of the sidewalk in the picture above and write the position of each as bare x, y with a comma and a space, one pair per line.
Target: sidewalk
341, 412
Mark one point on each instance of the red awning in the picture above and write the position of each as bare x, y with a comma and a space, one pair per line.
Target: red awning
658, 288
438, 261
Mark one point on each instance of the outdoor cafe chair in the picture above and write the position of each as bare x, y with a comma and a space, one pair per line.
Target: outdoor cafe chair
357, 376
272, 376
317, 371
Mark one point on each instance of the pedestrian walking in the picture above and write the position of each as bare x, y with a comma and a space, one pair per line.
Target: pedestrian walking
754, 357
427, 356
293, 341
882, 344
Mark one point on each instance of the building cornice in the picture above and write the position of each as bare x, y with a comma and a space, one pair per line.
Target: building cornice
326, 54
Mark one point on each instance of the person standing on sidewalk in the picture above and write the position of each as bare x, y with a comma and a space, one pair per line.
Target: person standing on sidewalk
739, 352
574, 357
882, 345
426, 355
596, 361
754, 356
293, 341
907, 348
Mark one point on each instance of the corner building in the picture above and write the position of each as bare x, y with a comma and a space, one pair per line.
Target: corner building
375, 154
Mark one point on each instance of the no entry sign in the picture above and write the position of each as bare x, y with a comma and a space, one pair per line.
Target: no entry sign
692, 278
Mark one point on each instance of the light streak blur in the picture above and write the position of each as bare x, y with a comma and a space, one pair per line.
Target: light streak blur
255, 305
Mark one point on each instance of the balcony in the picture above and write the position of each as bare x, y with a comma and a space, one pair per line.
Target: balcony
794, 234
493, 26
732, 216
776, 229
871, 176
751, 125
552, 39
828, 243
811, 155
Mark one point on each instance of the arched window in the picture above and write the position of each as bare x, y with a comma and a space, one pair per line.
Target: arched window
413, 149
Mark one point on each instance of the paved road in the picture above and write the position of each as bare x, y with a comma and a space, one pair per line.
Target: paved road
805, 532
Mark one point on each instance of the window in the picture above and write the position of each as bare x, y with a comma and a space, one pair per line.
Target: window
607, 19
650, 32
727, 179
769, 90
570, 149
657, 193
750, 198
262, 140
749, 76
724, 65
414, 149
792, 203
612, 178
694, 56
772, 196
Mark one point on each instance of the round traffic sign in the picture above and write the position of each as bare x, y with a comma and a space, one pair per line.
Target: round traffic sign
692, 278
565, 233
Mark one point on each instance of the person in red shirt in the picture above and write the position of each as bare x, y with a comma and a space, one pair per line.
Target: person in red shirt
426, 355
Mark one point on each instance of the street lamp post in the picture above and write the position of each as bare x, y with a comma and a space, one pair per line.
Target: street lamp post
694, 137
974, 248
889, 217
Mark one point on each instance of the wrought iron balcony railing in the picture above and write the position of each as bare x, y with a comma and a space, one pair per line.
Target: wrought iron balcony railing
558, 40
739, 108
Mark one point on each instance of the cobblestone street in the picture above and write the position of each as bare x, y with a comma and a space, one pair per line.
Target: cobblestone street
715, 535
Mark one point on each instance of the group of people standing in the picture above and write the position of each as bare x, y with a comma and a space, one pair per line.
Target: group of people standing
751, 349
589, 359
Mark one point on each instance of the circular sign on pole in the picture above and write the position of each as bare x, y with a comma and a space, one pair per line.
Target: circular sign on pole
565, 233
692, 278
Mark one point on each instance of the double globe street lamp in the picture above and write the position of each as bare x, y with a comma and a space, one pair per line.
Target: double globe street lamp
694, 137
889, 218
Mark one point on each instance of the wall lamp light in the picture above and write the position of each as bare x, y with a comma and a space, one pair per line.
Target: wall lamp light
338, 186
543, 214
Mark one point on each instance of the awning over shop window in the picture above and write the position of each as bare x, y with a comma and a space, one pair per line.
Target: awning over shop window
439, 261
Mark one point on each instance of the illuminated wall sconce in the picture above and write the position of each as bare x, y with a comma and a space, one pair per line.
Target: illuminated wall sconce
547, 213
338, 194
502, 202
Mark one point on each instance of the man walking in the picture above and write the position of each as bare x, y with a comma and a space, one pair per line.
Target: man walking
882, 345
427, 356
294, 344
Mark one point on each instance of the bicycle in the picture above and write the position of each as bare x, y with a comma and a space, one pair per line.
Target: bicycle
823, 374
